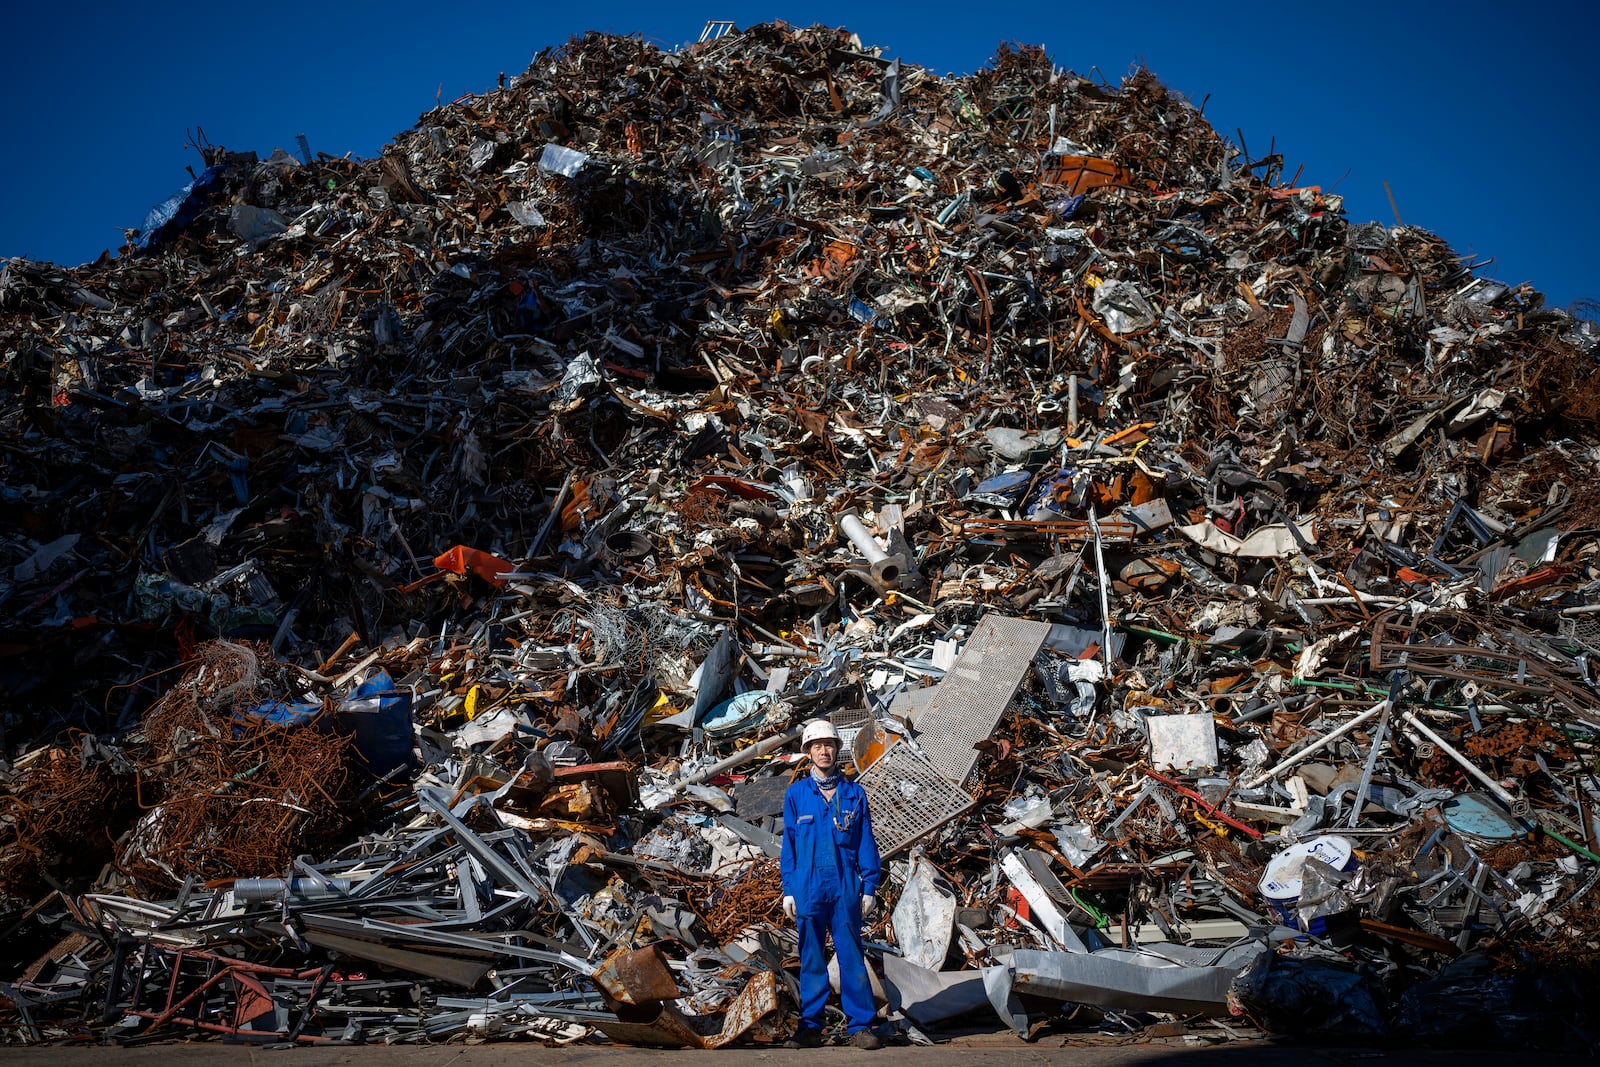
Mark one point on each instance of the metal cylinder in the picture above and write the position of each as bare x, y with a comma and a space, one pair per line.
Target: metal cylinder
885, 568
1072, 403
255, 890
744, 755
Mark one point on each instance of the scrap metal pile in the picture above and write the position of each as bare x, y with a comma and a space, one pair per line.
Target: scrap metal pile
418, 570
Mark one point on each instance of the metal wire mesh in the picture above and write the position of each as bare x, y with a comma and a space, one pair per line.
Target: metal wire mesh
849, 721
229, 792
642, 634
1583, 629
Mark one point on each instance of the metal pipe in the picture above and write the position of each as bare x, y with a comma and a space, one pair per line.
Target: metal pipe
1267, 707
1317, 746
885, 568
1518, 807
1072, 404
744, 755
555, 513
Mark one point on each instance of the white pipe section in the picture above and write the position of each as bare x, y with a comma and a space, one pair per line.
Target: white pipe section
1316, 746
744, 755
885, 568
1518, 807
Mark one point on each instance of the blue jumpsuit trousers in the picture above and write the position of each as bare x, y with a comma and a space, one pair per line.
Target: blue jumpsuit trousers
840, 916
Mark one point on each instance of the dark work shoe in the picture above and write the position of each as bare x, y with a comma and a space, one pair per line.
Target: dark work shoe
805, 1039
865, 1039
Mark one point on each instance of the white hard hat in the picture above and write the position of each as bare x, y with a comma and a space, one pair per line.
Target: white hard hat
818, 730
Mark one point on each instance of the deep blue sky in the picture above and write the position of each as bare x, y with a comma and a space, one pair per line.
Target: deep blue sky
1480, 116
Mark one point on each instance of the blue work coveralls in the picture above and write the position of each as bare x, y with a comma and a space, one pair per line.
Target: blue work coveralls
830, 861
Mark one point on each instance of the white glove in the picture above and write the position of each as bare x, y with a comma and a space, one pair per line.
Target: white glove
869, 904
788, 906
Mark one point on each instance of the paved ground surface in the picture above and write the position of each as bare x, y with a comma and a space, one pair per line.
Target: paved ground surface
988, 1051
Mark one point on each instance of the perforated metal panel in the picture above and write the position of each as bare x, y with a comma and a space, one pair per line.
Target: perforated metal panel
967, 704
908, 797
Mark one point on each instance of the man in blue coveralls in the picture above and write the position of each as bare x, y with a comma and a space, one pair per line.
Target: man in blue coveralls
830, 880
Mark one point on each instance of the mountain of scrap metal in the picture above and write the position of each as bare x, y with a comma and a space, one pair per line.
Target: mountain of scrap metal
778, 257
426, 562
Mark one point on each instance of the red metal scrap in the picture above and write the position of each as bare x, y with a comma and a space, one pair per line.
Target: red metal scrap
1209, 808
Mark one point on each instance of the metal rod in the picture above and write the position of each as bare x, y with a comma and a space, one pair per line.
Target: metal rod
1105, 593
1212, 809
439, 803
555, 513
1371, 765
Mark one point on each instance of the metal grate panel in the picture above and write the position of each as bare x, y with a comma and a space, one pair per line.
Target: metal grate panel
908, 797
967, 705
849, 721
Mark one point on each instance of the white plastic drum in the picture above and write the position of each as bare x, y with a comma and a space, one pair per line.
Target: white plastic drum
1280, 883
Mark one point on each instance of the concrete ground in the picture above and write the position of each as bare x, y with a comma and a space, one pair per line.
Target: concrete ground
997, 1050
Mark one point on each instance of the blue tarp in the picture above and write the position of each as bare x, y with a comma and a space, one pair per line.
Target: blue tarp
380, 717
377, 714
169, 218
